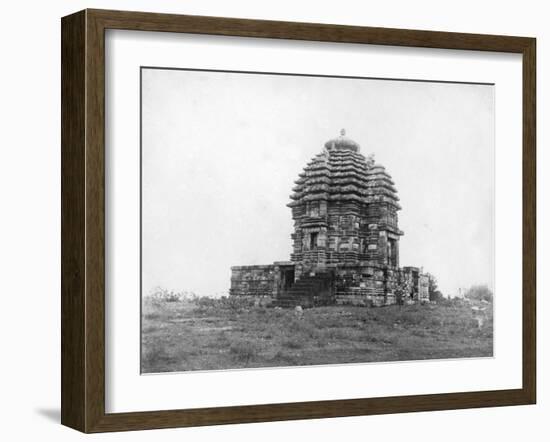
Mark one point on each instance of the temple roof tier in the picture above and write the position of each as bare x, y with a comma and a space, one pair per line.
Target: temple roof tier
342, 173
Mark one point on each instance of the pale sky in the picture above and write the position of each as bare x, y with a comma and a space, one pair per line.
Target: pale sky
221, 152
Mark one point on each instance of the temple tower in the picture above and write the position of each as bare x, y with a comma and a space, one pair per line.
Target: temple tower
344, 208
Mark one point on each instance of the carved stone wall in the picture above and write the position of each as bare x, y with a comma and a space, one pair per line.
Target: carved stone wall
380, 285
258, 280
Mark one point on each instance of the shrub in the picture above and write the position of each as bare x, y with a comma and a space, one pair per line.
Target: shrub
160, 295
479, 293
205, 301
433, 291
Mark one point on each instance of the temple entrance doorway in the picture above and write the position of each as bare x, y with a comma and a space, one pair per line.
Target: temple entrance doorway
287, 277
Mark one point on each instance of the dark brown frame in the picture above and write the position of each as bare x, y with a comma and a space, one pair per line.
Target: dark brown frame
83, 216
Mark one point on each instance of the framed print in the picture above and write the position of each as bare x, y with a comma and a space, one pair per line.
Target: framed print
268, 221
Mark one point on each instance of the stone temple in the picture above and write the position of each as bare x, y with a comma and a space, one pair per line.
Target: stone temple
345, 240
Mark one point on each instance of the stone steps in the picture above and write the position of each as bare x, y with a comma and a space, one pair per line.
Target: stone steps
308, 291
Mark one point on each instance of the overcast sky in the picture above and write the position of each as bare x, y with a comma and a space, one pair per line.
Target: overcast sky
221, 152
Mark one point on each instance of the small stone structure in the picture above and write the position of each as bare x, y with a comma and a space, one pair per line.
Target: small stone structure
345, 240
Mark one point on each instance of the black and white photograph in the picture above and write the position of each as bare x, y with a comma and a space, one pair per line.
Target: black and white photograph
266, 221
302, 220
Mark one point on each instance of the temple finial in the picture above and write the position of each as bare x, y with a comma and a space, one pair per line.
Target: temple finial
342, 142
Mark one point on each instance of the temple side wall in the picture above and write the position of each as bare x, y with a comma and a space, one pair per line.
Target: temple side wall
258, 280
378, 286
363, 285
358, 285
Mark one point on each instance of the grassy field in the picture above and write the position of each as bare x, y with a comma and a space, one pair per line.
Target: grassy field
208, 334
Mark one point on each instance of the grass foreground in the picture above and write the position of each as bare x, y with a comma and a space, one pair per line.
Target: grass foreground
209, 334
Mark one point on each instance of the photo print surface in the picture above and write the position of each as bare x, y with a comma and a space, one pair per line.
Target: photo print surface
302, 220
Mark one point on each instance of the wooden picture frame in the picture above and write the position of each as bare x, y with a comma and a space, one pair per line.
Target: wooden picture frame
83, 220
